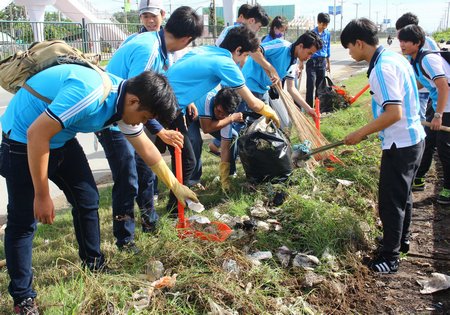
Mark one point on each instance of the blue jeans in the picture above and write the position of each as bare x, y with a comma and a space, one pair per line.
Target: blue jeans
69, 169
197, 143
423, 99
315, 73
133, 180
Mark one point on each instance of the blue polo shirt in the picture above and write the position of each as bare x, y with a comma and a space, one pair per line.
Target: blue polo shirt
325, 36
200, 71
392, 81
277, 53
76, 92
147, 51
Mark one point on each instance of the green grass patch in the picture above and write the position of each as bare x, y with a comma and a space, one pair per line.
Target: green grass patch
320, 215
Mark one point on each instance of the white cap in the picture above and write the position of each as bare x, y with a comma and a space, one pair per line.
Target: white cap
150, 6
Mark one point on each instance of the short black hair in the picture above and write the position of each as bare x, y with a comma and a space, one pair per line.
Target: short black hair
228, 98
323, 18
259, 14
362, 29
240, 36
406, 19
155, 95
184, 22
412, 33
308, 39
243, 10
278, 22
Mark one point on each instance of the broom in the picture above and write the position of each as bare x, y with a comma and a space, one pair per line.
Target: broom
305, 128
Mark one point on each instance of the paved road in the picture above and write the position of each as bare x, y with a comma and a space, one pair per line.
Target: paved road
342, 67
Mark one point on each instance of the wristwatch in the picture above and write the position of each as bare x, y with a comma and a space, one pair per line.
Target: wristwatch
437, 115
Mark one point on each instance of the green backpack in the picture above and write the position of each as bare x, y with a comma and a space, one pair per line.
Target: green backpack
18, 68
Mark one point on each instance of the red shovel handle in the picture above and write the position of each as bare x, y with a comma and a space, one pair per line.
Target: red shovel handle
354, 98
179, 175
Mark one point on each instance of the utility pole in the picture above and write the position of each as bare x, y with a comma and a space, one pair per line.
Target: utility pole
342, 12
357, 5
448, 11
370, 8
334, 19
212, 17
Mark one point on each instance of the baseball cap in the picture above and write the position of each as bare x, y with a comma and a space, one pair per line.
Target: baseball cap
150, 6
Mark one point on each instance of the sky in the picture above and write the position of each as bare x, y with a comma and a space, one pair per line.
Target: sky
430, 12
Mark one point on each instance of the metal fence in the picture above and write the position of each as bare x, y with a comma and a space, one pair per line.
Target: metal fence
98, 38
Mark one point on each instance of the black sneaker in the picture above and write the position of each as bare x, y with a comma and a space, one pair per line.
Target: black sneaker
418, 184
129, 248
382, 265
444, 197
26, 307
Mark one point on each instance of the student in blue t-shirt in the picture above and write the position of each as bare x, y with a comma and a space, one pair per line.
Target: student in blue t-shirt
38, 144
202, 69
278, 27
216, 112
319, 63
395, 107
133, 180
432, 72
284, 57
256, 18
151, 14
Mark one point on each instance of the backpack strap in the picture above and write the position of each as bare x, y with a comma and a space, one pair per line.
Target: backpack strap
36, 94
419, 58
106, 81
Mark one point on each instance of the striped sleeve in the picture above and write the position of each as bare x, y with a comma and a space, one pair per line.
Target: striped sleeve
72, 104
433, 66
129, 130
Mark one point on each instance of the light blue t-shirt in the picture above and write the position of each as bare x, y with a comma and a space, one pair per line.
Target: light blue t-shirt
278, 53
392, 81
147, 51
76, 92
200, 71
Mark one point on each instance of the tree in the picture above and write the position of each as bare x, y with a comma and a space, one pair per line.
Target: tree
13, 12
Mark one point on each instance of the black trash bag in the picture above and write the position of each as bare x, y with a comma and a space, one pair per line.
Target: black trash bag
265, 152
331, 96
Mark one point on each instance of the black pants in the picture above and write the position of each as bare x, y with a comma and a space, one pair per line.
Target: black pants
315, 72
397, 171
441, 141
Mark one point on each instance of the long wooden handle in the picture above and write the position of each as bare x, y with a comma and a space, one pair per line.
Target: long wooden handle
443, 128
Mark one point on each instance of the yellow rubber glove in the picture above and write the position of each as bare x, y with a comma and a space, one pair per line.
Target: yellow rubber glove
270, 114
224, 172
180, 191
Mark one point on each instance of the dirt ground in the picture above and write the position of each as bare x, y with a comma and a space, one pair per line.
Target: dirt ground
368, 293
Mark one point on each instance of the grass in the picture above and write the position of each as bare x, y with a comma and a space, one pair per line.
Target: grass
320, 215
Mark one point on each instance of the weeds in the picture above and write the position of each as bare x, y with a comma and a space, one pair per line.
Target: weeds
319, 214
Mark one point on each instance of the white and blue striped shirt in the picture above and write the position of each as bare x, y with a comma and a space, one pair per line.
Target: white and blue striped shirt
392, 81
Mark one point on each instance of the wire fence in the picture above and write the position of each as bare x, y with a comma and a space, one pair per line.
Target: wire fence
96, 38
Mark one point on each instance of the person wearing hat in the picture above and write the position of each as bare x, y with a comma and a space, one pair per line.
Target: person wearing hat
151, 14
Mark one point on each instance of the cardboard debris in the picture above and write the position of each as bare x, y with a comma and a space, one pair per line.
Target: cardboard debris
437, 282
